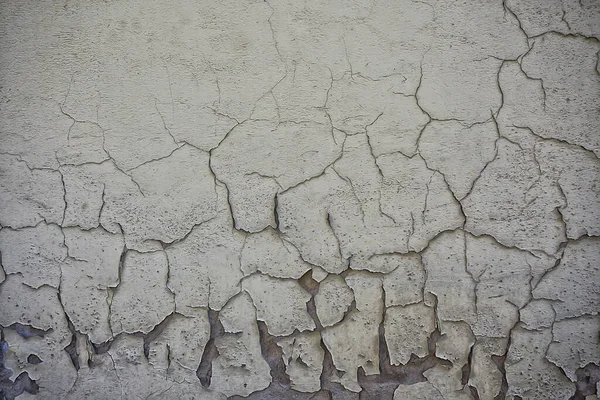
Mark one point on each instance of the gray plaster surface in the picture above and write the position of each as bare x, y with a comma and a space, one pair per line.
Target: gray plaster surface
342, 199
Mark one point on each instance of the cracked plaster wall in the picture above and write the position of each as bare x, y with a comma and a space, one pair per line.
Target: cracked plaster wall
343, 199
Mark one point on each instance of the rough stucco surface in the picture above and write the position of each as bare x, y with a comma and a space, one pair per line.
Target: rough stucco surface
342, 199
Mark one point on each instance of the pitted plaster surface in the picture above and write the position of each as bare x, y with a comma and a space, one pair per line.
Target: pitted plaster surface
342, 200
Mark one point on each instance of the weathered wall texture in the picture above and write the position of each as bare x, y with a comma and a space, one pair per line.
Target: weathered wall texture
322, 199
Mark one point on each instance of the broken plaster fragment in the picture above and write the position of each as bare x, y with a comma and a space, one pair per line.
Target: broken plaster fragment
529, 374
556, 15
307, 211
178, 348
475, 48
354, 343
101, 378
86, 186
485, 375
555, 103
319, 274
209, 256
138, 378
455, 346
239, 368
43, 311
280, 303
303, 358
85, 145
371, 231
186, 104
333, 300
407, 331
575, 343
143, 288
87, 278
389, 43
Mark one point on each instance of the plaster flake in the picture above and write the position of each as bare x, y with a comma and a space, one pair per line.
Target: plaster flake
392, 121
318, 273
137, 377
560, 103
333, 300
391, 29
85, 145
307, 209
503, 284
564, 16
240, 367
178, 189
30, 313
142, 288
454, 93
575, 344
86, 189
179, 347
361, 225
43, 311
87, 278
455, 346
353, 343
56, 371
537, 314
303, 358
304, 150
300, 95
485, 375
577, 173
280, 303
529, 374
327, 199
408, 330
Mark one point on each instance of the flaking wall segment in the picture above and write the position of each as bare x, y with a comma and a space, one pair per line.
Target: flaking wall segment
341, 199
